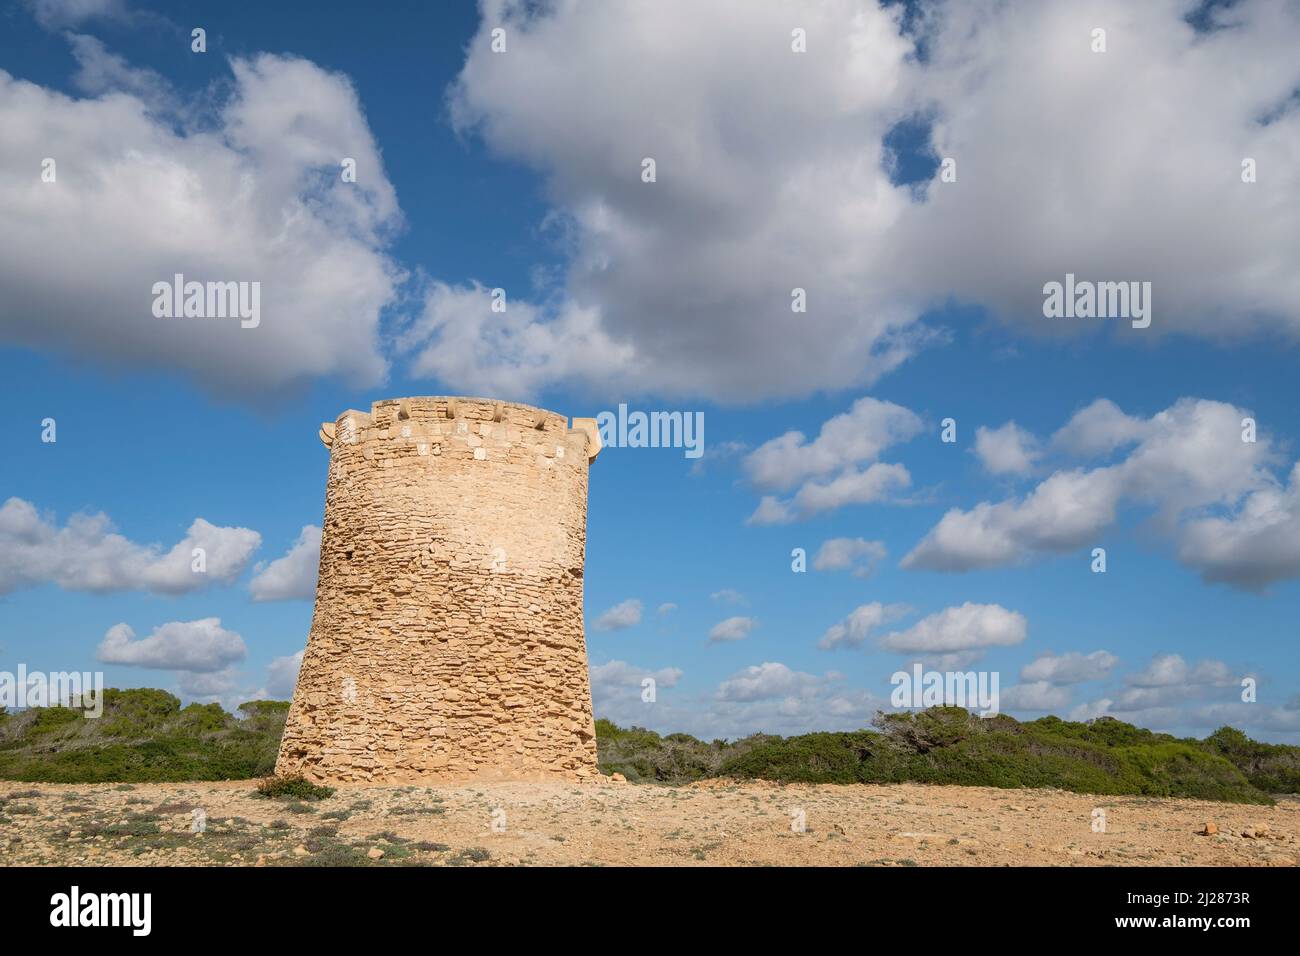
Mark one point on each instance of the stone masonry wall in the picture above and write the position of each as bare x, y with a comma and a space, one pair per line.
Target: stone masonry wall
447, 638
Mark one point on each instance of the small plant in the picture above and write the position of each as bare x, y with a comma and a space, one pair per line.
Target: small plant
475, 854
292, 788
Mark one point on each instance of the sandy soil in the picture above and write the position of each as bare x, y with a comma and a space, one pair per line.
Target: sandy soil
711, 823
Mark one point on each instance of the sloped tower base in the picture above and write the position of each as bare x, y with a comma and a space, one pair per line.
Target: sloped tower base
447, 639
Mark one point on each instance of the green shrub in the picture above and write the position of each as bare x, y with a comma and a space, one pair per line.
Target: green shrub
292, 788
1273, 768
145, 736
49, 719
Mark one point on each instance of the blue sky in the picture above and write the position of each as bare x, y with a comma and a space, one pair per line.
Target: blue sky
520, 171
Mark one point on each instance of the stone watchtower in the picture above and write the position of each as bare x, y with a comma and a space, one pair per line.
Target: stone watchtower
447, 639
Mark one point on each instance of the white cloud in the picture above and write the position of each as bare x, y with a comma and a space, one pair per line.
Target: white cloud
728, 596
857, 627
1071, 668
844, 554
1257, 544
282, 676
620, 674
1008, 450
716, 453
87, 555
249, 189
766, 680
874, 483
211, 687
293, 576
617, 695
1168, 681
56, 14
1169, 207
1187, 458
849, 439
1066, 511
99, 71
666, 608
828, 471
1172, 696
620, 617
459, 340
1091, 710
202, 646
955, 629
1098, 429
732, 629
1036, 695
1170, 670
685, 284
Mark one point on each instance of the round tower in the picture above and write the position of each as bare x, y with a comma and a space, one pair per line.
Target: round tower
447, 638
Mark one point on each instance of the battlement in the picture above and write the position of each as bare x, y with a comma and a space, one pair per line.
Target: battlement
432, 420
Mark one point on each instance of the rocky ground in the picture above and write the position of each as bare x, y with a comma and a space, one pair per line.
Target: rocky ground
710, 823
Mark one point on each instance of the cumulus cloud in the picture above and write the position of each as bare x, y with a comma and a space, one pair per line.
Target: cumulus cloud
1099, 429
666, 608
685, 284
620, 674
202, 646
100, 71
86, 554
774, 698
732, 629
769, 679
970, 627
1171, 695
829, 471
57, 14
282, 676
1182, 462
1008, 450
728, 596
620, 692
248, 187
214, 686
1071, 668
293, 576
1035, 695
1173, 210
854, 630
766, 698
620, 617
844, 554
1168, 680
1254, 545
449, 342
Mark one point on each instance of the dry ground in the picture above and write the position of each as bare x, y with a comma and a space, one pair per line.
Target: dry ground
711, 823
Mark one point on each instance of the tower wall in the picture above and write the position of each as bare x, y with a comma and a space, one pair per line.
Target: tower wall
447, 638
